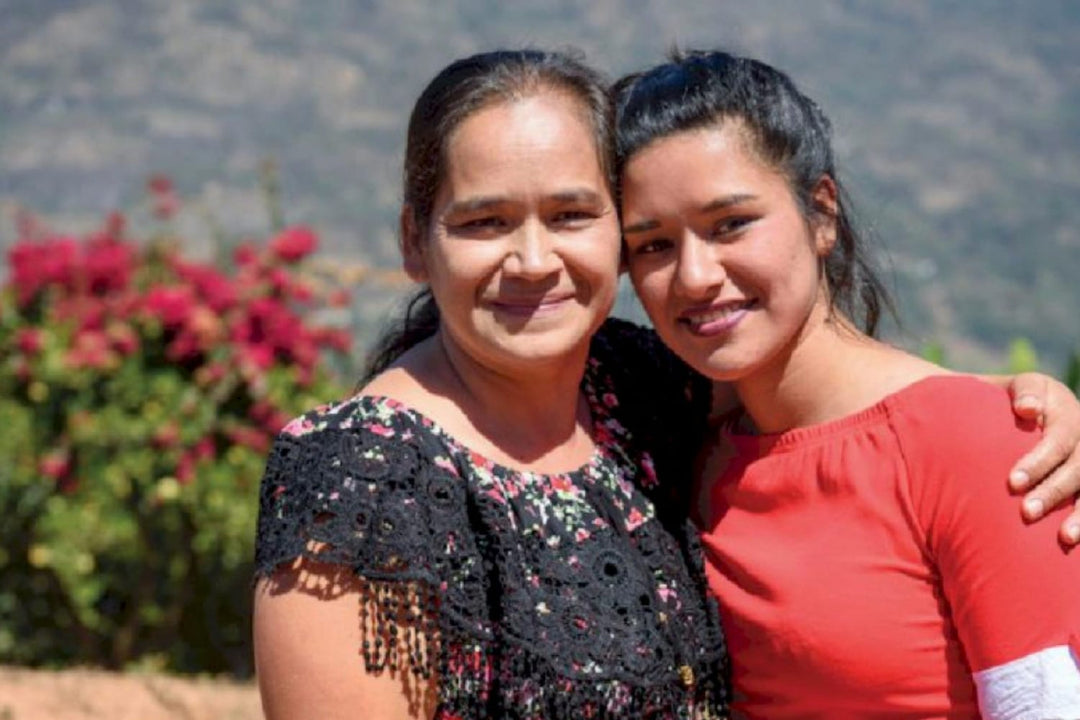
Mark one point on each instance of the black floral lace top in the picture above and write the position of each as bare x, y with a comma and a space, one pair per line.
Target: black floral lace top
574, 595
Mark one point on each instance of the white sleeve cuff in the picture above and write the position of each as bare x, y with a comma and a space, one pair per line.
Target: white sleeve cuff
1042, 686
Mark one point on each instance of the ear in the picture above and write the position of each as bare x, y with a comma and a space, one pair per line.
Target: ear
411, 245
826, 208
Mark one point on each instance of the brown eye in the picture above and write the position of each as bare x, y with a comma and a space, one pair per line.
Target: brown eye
652, 247
572, 218
731, 225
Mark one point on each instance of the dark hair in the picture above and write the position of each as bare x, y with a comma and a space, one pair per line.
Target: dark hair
785, 128
461, 89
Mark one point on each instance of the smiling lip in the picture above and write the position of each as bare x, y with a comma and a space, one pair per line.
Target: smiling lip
716, 319
527, 307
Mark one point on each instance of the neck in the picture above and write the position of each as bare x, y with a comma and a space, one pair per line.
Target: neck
528, 413
819, 377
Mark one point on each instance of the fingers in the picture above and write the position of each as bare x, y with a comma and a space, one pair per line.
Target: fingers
1060, 487
1030, 393
1038, 464
1058, 410
1070, 529
1050, 472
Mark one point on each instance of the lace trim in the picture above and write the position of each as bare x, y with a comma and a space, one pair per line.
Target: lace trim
519, 614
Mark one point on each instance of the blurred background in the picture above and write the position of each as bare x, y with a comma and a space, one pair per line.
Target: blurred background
958, 124
257, 145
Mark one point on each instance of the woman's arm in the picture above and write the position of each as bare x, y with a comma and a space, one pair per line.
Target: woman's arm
1011, 590
308, 632
1051, 470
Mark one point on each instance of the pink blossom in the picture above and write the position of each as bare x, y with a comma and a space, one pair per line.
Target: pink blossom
249, 437
124, 340
166, 436
29, 340
55, 464
339, 298
294, 243
204, 449
159, 184
213, 287
90, 349
185, 468
108, 265
36, 265
171, 304
246, 254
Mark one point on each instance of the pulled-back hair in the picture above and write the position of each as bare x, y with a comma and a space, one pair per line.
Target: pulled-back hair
457, 92
784, 128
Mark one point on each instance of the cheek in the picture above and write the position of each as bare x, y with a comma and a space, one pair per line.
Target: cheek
464, 262
652, 290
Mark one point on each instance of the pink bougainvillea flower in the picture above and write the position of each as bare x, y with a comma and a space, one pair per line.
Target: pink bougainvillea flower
334, 338
339, 298
163, 198
158, 184
90, 349
86, 312
245, 254
294, 243
124, 339
212, 286
30, 341
211, 373
185, 468
170, 304
107, 265
204, 449
55, 464
249, 437
37, 265
267, 416
168, 435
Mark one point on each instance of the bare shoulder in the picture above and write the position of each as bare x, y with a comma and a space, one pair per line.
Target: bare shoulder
879, 370
416, 379
309, 630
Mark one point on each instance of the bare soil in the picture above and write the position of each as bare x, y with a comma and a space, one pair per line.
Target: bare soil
96, 695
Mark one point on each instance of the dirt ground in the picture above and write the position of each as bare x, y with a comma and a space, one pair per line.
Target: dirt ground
94, 695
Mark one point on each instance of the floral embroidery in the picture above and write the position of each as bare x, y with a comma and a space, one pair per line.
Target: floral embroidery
553, 596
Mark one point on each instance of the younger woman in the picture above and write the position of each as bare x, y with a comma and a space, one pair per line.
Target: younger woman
866, 561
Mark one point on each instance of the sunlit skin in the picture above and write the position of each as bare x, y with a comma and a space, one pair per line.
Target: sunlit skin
710, 228
728, 266
719, 253
522, 255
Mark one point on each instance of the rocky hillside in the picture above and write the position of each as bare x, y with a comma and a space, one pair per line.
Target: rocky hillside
958, 123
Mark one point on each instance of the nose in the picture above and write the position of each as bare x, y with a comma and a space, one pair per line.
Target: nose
700, 267
532, 252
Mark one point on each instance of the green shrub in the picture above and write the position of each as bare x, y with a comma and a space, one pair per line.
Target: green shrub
139, 393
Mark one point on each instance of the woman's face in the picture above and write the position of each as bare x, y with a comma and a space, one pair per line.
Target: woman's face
724, 261
522, 254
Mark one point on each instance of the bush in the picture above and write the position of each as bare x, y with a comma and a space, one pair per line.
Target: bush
139, 393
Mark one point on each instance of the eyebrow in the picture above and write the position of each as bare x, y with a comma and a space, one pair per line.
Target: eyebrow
718, 204
582, 195
474, 204
483, 202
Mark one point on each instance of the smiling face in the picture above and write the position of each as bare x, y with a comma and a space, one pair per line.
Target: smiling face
723, 259
522, 251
